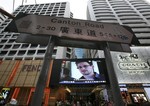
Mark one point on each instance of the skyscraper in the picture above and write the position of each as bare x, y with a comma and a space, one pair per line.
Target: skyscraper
20, 63
133, 13
10, 50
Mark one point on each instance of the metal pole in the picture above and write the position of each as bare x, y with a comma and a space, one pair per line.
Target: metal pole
6, 13
117, 98
41, 84
13, 5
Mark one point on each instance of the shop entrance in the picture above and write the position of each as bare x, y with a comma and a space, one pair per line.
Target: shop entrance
95, 95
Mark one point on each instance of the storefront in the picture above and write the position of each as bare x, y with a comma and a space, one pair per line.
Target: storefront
18, 81
133, 71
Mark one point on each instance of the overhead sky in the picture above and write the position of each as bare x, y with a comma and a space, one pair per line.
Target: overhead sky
78, 7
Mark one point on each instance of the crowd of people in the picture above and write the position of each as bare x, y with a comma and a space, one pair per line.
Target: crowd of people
73, 103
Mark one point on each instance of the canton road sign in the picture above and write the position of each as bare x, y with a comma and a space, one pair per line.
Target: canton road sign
70, 28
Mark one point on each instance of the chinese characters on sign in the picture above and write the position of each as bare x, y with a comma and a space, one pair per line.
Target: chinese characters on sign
132, 64
74, 29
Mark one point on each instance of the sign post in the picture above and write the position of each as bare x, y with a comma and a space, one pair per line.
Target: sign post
112, 78
39, 91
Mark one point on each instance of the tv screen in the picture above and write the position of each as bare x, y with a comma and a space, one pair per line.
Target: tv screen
78, 71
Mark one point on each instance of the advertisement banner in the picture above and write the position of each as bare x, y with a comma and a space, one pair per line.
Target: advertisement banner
132, 67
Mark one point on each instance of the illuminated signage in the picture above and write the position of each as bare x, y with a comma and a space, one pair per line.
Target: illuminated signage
132, 64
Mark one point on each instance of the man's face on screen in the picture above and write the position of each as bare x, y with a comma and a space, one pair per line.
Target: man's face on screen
85, 68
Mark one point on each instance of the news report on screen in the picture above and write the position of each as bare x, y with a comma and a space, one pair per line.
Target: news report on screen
78, 71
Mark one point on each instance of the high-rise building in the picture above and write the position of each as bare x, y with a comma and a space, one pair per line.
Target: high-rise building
20, 63
133, 13
10, 50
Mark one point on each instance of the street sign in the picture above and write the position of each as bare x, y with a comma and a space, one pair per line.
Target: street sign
71, 28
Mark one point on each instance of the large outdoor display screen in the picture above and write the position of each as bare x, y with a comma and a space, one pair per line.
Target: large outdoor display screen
78, 71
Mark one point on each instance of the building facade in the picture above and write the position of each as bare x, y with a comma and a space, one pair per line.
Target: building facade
20, 63
10, 50
135, 14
